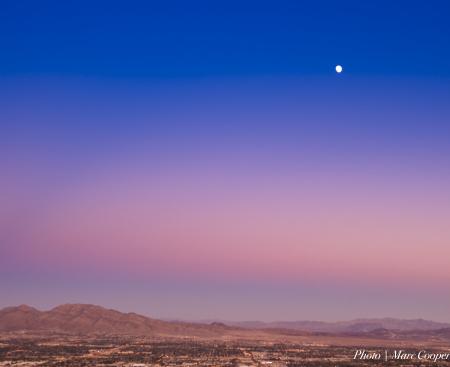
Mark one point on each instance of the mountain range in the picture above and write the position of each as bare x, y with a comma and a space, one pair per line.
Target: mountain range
91, 319
357, 325
84, 319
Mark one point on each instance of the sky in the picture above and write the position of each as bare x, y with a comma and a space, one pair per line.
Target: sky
203, 160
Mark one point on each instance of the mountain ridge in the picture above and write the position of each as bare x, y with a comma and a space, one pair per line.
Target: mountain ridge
360, 324
93, 319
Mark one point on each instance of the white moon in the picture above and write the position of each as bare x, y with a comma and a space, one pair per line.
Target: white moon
339, 69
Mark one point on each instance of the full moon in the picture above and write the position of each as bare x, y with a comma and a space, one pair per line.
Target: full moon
339, 69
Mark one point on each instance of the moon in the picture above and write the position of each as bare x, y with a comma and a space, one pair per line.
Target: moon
339, 69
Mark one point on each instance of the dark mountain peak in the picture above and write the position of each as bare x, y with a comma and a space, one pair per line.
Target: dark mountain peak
77, 307
19, 309
26, 308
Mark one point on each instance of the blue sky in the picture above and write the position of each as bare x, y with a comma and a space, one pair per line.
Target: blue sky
201, 38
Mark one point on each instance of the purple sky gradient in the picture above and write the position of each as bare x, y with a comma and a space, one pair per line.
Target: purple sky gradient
237, 198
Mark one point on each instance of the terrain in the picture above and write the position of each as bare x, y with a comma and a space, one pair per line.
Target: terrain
89, 335
358, 325
84, 319
91, 319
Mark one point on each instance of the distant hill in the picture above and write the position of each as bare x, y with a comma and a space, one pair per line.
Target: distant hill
353, 326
